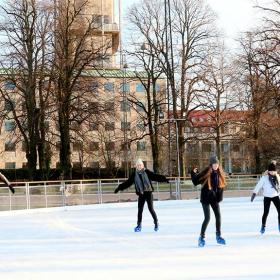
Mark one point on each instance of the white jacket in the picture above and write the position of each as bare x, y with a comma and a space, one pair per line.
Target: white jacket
266, 186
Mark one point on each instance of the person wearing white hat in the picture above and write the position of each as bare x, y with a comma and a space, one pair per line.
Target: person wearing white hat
142, 179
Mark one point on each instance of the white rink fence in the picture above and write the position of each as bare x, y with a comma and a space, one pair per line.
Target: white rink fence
45, 194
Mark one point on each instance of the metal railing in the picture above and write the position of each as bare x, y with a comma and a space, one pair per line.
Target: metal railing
44, 194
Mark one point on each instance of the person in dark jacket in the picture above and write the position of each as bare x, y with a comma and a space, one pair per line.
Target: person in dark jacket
142, 179
7, 182
213, 182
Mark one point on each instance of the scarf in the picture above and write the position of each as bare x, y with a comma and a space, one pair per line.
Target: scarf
214, 180
142, 181
274, 182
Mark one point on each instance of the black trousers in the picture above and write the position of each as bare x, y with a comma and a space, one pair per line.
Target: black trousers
206, 210
266, 206
147, 196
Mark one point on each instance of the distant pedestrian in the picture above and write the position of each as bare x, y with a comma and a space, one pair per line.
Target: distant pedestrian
142, 179
270, 185
7, 182
212, 180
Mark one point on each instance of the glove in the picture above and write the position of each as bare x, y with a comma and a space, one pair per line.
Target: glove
116, 190
11, 188
253, 197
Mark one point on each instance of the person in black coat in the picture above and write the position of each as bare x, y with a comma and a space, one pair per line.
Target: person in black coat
7, 182
213, 182
142, 179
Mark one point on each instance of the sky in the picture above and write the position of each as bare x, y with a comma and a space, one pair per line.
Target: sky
234, 16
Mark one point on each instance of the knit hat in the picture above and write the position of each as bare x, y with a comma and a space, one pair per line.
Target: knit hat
213, 160
271, 167
139, 161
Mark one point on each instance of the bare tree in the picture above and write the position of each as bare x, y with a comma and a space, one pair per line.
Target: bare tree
219, 97
77, 47
26, 25
181, 44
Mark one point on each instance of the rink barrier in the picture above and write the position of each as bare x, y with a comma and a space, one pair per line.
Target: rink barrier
45, 194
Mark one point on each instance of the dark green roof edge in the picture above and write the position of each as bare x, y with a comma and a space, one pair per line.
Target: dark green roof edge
105, 73
115, 73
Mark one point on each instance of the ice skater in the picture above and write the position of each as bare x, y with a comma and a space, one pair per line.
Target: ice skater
7, 182
212, 179
142, 179
270, 184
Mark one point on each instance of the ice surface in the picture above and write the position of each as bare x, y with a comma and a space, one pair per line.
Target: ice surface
98, 242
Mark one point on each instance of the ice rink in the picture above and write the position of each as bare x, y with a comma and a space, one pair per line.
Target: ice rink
97, 242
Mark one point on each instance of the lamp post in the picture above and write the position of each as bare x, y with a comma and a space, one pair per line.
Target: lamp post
124, 100
161, 117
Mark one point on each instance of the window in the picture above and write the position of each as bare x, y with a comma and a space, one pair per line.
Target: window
157, 87
93, 107
109, 106
109, 126
47, 125
125, 126
94, 164
10, 165
140, 87
125, 146
77, 146
225, 147
125, 106
10, 146
110, 146
106, 19
93, 146
23, 146
10, 125
236, 148
9, 105
206, 147
93, 86
57, 146
140, 125
108, 86
77, 165
10, 85
140, 107
93, 126
75, 125
125, 87
141, 146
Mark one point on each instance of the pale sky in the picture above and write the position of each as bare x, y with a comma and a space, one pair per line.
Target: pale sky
234, 16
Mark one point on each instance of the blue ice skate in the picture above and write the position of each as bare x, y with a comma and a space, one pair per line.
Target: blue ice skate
220, 240
201, 242
262, 231
138, 228
156, 228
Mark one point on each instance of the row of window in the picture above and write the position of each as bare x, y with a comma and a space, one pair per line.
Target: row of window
77, 146
96, 107
109, 126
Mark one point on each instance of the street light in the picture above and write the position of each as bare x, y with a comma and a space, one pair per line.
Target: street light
161, 117
124, 100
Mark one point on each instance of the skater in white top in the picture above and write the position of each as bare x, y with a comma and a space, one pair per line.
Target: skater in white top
270, 184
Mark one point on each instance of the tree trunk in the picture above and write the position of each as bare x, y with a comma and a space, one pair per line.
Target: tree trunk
65, 151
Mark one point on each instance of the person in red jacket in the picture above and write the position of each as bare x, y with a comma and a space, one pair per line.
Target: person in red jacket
142, 179
212, 180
